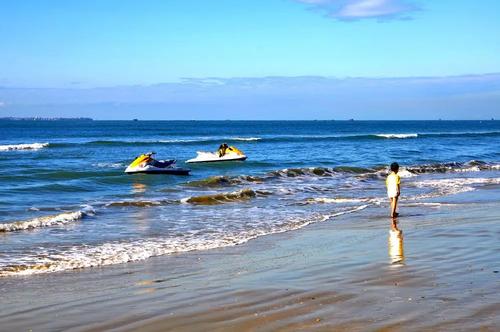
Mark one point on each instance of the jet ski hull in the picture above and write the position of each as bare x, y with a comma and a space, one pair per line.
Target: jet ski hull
215, 160
147, 165
156, 170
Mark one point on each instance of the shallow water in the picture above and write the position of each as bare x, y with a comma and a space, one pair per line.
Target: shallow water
65, 202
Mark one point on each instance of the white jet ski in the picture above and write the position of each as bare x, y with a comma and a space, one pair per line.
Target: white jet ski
145, 163
231, 154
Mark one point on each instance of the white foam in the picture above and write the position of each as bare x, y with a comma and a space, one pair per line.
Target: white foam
31, 146
181, 140
453, 186
208, 139
83, 256
468, 169
457, 182
336, 200
359, 208
59, 219
404, 173
400, 136
429, 204
108, 165
245, 139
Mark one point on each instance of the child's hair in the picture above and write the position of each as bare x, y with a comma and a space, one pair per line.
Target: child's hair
394, 167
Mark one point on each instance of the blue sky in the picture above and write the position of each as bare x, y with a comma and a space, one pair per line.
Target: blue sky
80, 45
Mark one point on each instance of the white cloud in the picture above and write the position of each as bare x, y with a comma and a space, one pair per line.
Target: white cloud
362, 9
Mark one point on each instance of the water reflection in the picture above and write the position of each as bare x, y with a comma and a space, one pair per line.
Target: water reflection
396, 248
138, 188
141, 217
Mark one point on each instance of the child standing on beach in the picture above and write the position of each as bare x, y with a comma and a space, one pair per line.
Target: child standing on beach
392, 183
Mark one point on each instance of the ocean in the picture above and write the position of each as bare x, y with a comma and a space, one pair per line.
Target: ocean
66, 204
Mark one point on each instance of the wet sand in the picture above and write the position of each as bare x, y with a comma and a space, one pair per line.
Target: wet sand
350, 273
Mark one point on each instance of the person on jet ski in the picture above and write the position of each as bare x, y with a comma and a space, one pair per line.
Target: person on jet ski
222, 149
148, 160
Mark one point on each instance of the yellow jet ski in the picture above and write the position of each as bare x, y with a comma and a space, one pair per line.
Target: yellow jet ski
145, 163
231, 153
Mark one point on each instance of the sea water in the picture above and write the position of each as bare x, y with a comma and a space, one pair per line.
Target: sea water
65, 202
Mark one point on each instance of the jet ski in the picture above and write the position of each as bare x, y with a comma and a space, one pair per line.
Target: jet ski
145, 163
231, 154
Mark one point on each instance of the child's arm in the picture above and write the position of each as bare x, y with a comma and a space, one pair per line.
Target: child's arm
399, 186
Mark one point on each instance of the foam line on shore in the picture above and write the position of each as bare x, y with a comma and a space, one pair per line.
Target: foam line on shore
338, 200
83, 256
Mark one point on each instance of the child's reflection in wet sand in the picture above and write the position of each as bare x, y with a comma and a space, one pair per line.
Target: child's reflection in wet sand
396, 250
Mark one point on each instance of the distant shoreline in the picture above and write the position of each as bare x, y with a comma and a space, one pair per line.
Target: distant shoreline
45, 119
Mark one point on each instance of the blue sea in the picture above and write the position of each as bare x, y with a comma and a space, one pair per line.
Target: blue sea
65, 202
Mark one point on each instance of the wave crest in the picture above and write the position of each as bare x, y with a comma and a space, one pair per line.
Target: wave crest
30, 146
222, 180
245, 139
220, 198
470, 166
184, 141
400, 136
53, 220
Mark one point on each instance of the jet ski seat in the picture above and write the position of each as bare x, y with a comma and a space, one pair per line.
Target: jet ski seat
163, 163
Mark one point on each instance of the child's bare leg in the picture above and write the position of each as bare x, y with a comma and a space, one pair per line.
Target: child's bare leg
394, 205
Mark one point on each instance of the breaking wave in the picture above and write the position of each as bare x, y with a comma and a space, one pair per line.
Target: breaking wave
220, 198
54, 220
376, 136
219, 181
246, 139
377, 172
319, 171
31, 146
210, 199
218, 140
280, 138
470, 166
84, 256
139, 203
400, 136
451, 167
183, 141
224, 180
454, 186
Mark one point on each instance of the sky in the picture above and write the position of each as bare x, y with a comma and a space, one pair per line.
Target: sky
284, 59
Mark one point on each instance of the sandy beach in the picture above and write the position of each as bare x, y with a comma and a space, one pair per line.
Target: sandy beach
349, 273
287, 165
